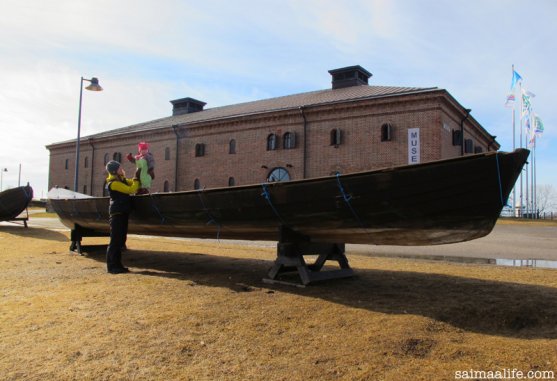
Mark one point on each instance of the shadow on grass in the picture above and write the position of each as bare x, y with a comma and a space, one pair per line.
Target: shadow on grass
495, 308
33, 232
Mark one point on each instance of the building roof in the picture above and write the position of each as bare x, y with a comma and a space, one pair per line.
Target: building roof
312, 98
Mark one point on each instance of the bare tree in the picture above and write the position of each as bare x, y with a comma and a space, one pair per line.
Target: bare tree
546, 198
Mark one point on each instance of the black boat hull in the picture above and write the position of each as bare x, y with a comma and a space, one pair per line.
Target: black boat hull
438, 202
14, 201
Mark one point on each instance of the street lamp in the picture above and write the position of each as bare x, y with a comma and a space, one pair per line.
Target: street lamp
94, 86
2, 178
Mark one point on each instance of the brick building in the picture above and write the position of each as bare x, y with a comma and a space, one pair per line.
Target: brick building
350, 127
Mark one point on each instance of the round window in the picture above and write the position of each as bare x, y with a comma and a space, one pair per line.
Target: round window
278, 174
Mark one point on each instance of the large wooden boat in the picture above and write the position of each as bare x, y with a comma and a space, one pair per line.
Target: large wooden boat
432, 203
14, 201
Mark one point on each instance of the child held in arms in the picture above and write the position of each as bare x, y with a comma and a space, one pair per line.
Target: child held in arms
145, 162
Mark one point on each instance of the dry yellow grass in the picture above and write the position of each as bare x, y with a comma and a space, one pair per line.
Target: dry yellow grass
199, 311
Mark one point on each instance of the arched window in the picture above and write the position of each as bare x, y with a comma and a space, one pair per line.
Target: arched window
106, 158
386, 132
289, 140
232, 146
278, 174
86, 163
196, 184
167, 153
336, 137
117, 156
166, 187
199, 149
231, 182
272, 142
66, 165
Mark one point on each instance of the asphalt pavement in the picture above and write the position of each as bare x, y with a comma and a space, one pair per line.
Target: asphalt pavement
506, 241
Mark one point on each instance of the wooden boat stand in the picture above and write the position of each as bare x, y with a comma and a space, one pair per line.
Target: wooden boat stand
291, 249
76, 236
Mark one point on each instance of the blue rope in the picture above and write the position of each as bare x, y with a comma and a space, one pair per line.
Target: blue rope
267, 195
212, 219
347, 198
503, 202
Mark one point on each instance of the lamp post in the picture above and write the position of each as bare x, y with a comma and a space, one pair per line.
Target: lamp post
2, 178
94, 86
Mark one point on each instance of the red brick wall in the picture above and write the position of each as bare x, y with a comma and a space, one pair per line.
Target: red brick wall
361, 148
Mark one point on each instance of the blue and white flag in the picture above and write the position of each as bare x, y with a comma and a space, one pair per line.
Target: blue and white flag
516, 78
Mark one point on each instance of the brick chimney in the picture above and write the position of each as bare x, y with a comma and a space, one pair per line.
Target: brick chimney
349, 76
186, 106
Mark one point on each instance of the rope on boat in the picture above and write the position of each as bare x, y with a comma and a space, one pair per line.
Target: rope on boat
347, 198
212, 219
267, 195
503, 201
97, 210
154, 205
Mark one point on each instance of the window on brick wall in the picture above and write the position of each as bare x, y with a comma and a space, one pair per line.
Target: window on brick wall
272, 142
478, 149
85, 189
232, 146
106, 158
278, 174
66, 164
231, 182
199, 149
167, 153
289, 140
117, 156
457, 138
196, 184
336, 137
86, 163
166, 186
386, 132
468, 146
105, 191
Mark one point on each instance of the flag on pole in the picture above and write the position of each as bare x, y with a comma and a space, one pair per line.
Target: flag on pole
516, 78
527, 124
538, 126
510, 100
526, 104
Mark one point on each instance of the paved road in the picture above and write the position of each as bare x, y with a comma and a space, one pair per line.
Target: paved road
506, 241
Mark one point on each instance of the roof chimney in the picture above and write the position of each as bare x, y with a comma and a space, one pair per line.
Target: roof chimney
186, 106
349, 76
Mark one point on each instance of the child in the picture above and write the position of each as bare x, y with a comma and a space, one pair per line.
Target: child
144, 162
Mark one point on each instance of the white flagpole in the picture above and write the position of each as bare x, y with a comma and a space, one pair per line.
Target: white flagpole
521, 106
514, 147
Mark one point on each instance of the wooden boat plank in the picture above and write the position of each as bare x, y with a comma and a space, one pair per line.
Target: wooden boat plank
432, 203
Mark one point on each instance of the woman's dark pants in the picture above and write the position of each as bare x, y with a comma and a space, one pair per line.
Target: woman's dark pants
118, 232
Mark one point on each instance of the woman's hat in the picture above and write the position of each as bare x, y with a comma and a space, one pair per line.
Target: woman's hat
112, 167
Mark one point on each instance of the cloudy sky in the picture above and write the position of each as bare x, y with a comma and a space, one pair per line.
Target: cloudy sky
147, 52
